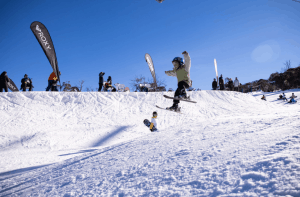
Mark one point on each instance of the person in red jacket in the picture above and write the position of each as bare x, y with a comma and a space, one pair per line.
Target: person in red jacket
52, 81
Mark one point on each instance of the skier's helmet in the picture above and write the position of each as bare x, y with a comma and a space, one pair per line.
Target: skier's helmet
25, 75
154, 114
179, 60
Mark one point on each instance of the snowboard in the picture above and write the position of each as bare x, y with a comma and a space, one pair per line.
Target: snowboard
169, 97
12, 86
169, 110
281, 99
148, 123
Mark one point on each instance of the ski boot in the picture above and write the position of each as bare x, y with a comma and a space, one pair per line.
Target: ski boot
174, 107
184, 97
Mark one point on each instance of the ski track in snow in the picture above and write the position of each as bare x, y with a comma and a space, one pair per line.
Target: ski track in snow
95, 144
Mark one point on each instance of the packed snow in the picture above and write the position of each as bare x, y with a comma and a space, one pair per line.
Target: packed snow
95, 144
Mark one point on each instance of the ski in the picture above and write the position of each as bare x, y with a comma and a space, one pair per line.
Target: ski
169, 97
169, 110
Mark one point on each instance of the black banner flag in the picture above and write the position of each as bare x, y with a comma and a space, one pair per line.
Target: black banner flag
42, 35
151, 67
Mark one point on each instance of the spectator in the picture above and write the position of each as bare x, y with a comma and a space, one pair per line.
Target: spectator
108, 85
26, 83
230, 84
214, 84
3, 82
221, 82
236, 84
101, 81
52, 82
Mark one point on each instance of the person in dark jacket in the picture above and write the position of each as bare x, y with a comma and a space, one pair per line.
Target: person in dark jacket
230, 84
108, 84
214, 84
221, 82
26, 82
3, 82
101, 81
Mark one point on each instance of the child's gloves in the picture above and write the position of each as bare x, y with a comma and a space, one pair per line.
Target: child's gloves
153, 129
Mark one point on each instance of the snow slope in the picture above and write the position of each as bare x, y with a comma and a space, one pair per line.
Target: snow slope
95, 144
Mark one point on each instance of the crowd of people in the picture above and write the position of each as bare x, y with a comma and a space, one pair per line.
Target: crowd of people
283, 97
232, 85
106, 85
26, 83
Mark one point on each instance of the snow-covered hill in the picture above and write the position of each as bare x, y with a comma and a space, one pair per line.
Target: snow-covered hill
95, 144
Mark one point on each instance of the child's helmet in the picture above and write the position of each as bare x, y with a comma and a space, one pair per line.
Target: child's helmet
179, 59
154, 113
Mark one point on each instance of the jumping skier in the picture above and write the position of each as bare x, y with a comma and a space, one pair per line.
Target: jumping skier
181, 70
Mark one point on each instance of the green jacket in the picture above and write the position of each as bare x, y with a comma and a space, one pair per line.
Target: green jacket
182, 73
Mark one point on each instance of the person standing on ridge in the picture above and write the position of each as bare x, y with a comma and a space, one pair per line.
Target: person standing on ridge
52, 82
214, 84
221, 82
101, 74
181, 70
236, 84
109, 84
26, 82
230, 85
3, 82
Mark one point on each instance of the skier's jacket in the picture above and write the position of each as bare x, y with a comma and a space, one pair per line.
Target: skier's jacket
4, 80
236, 83
293, 96
183, 72
52, 77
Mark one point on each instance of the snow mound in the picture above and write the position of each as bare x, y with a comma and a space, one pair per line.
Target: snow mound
73, 144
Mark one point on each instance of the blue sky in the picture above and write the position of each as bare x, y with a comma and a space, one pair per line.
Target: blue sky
249, 39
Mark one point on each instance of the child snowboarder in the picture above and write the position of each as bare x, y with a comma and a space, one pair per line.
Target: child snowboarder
263, 98
181, 70
153, 124
282, 97
293, 98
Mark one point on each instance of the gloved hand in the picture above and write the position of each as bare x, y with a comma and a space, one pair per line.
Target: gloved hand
153, 129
